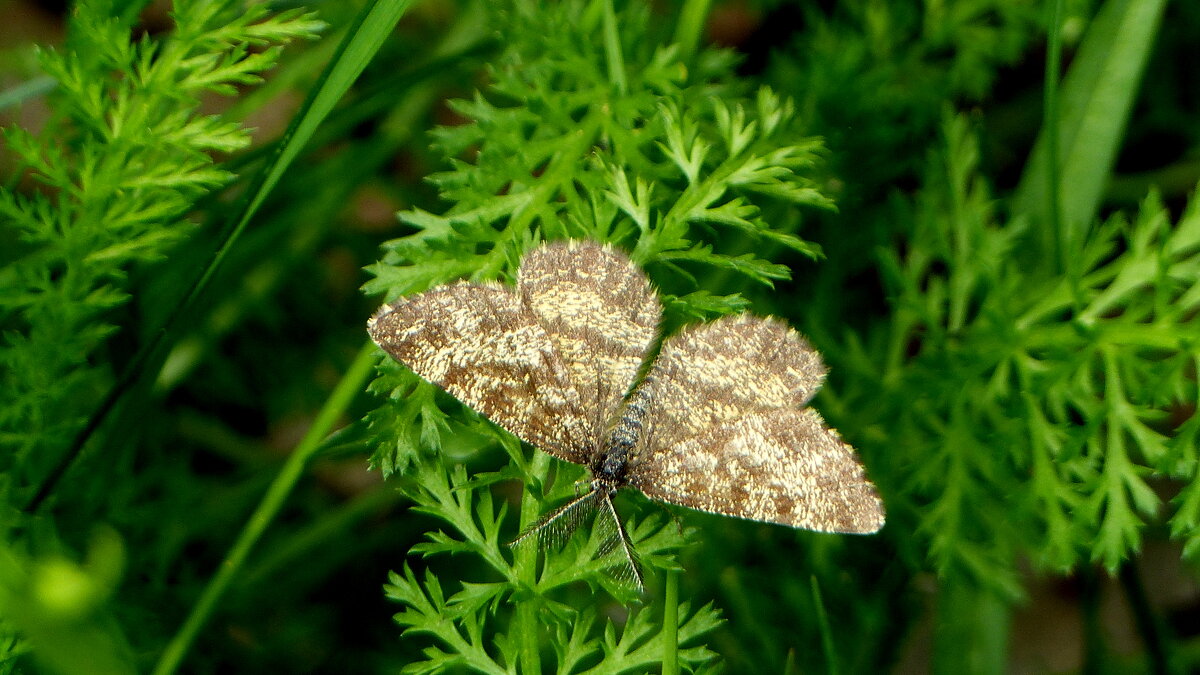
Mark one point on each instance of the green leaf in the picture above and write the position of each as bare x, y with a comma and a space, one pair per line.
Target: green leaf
1098, 95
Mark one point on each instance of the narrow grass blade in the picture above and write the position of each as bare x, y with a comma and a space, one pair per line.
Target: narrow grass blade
353, 382
364, 38
1097, 96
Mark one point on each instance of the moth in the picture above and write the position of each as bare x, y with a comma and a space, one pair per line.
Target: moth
719, 423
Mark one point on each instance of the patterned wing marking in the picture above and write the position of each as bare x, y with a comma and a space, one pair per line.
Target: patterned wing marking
600, 312
481, 344
783, 467
717, 373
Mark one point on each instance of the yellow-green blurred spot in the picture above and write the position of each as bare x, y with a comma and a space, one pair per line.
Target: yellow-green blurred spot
64, 589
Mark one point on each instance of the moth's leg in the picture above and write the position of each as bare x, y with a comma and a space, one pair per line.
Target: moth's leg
581, 485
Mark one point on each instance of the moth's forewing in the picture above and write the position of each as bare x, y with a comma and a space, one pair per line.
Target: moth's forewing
483, 345
601, 314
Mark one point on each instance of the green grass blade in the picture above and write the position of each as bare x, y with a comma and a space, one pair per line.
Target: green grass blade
831, 664
19, 94
690, 27
363, 39
335, 406
1096, 99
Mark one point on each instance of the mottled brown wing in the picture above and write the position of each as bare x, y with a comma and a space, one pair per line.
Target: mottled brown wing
720, 372
726, 431
484, 346
600, 312
782, 467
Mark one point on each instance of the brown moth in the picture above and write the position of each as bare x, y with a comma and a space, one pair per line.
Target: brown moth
718, 424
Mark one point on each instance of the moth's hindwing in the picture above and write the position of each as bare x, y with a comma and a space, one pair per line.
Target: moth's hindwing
715, 373
784, 466
727, 432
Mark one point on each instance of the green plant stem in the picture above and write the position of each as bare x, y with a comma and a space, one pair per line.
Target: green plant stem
691, 26
1159, 650
971, 634
530, 655
315, 537
29, 89
350, 385
1094, 654
612, 49
831, 665
1061, 251
526, 612
670, 631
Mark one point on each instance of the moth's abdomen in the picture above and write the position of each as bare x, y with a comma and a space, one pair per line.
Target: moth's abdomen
624, 438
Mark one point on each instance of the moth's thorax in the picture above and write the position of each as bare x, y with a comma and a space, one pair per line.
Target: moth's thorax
619, 448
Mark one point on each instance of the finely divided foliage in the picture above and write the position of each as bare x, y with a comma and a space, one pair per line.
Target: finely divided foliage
651, 162
1015, 408
1068, 390
647, 163
103, 189
126, 155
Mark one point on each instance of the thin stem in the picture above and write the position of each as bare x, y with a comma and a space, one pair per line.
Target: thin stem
309, 541
29, 89
530, 653
612, 49
690, 27
670, 630
525, 562
1050, 122
1158, 645
343, 394
831, 664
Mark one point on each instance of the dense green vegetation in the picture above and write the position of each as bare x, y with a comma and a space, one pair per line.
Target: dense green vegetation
980, 211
